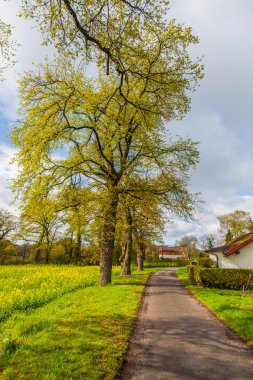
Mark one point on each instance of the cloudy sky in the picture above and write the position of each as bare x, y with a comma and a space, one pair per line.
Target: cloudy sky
220, 118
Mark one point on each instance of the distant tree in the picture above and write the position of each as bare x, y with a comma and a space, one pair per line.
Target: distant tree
40, 222
142, 222
188, 246
24, 250
234, 224
228, 236
79, 206
208, 241
7, 251
7, 224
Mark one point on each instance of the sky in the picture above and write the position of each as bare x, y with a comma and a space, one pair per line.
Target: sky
221, 112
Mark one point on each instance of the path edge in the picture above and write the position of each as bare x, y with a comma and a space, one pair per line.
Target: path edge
135, 330
230, 329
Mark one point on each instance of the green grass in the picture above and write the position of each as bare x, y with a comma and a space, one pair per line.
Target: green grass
229, 305
83, 334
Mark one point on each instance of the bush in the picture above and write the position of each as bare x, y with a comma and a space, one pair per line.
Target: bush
194, 273
224, 278
206, 262
166, 263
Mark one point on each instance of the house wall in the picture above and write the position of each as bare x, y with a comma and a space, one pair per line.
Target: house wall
243, 260
165, 256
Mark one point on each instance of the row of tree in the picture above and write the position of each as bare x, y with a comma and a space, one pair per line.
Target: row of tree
70, 235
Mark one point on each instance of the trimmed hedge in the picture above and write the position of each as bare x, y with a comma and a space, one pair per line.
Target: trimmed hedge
194, 273
165, 263
222, 278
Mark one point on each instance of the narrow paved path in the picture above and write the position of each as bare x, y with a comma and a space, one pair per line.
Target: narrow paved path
177, 338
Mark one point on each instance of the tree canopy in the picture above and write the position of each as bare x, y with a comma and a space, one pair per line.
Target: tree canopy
235, 224
70, 134
7, 47
133, 40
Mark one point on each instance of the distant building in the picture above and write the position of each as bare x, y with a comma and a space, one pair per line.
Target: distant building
166, 252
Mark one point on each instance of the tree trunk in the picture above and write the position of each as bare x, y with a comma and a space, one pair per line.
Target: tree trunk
71, 247
38, 248
140, 262
126, 262
140, 256
78, 246
108, 238
48, 247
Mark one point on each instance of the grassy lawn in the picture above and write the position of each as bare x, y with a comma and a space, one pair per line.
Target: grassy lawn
83, 333
229, 305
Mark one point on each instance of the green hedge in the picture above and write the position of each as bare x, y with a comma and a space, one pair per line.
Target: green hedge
221, 278
166, 263
194, 273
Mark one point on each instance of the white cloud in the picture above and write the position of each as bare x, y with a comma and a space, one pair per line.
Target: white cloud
207, 218
30, 51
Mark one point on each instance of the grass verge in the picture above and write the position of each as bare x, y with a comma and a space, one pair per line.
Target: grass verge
80, 335
229, 305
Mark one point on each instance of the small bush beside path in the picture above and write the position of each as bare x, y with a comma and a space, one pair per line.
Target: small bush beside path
234, 309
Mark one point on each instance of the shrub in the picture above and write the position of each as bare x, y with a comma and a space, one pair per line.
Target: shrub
166, 263
224, 278
206, 262
194, 273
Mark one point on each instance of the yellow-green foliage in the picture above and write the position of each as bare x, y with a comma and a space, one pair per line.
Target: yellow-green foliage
27, 287
194, 273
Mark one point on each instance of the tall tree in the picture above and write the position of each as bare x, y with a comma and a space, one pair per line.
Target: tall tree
188, 246
102, 144
235, 224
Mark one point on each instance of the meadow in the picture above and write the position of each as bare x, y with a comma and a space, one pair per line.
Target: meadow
57, 323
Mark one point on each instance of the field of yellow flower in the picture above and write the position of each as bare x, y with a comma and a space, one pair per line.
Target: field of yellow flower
27, 287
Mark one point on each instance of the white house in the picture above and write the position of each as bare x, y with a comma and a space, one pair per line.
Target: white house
236, 254
166, 252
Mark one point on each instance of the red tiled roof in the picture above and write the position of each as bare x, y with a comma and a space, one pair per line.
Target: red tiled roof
234, 245
239, 246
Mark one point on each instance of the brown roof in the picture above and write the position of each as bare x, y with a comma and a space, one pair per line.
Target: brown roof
167, 248
163, 248
237, 247
234, 245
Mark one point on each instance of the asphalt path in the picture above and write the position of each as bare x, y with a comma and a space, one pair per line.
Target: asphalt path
178, 338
